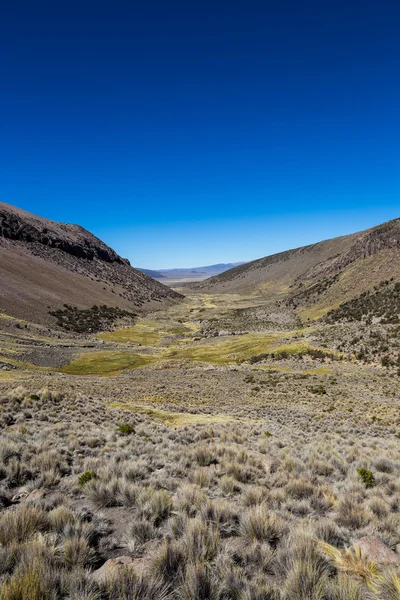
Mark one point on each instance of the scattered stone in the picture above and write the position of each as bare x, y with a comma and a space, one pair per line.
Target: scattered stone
33, 497
7, 366
112, 568
374, 549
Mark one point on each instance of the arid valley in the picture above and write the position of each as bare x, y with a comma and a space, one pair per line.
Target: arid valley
234, 438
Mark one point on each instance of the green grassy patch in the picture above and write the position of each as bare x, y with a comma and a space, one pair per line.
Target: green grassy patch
106, 363
236, 348
148, 333
145, 333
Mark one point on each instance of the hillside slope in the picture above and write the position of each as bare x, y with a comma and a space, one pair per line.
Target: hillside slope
44, 264
319, 277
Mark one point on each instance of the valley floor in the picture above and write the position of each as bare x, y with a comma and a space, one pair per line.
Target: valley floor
222, 448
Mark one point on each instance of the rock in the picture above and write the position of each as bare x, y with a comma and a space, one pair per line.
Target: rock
30, 497
112, 568
373, 549
7, 366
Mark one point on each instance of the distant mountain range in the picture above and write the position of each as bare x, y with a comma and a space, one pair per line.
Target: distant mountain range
192, 273
45, 264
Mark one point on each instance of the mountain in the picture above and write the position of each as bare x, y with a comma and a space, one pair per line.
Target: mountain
150, 273
192, 273
317, 278
45, 264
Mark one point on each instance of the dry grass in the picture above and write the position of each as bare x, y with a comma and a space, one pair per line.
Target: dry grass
211, 509
226, 482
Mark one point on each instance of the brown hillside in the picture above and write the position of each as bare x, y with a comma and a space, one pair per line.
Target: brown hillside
44, 264
320, 276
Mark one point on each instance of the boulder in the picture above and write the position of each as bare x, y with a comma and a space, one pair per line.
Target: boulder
374, 549
112, 568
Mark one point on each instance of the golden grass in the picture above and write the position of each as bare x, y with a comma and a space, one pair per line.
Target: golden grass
236, 348
217, 351
354, 563
148, 333
172, 419
106, 363
144, 332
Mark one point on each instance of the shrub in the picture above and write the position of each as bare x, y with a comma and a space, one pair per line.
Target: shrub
86, 477
366, 477
126, 429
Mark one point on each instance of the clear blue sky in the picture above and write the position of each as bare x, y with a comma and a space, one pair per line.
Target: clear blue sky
190, 133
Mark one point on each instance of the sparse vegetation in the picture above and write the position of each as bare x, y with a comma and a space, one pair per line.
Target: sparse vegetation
213, 475
89, 320
273, 515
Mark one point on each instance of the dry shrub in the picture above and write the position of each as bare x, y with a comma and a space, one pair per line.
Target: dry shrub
21, 524
131, 586
352, 514
352, 562
200, 583
169, 561
257, 523
201, 540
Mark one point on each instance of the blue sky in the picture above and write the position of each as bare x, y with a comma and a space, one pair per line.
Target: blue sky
186, 134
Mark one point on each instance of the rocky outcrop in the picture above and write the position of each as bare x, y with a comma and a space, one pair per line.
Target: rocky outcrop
112, 568
14, 226
374, 549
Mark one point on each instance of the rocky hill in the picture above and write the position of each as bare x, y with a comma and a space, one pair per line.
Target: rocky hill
44, 265
317, 278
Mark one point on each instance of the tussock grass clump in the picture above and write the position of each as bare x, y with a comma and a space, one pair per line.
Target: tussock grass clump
21, 524
30, 584
352, 514
103, 494
257, 523
169, 562
352, 562
201, 540
200, 583
131, 586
